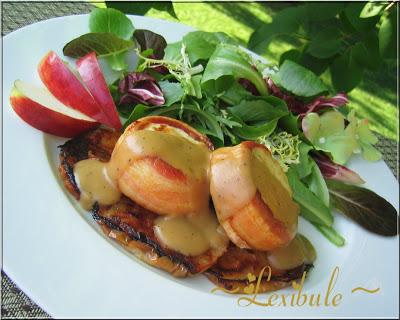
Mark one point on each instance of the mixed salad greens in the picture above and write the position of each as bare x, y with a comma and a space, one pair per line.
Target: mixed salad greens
224, 91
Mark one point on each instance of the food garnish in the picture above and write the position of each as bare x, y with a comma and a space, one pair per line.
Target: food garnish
38, 107
203, 117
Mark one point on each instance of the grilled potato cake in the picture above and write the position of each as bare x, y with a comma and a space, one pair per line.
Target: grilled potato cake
132, 226
125, 221
232, 269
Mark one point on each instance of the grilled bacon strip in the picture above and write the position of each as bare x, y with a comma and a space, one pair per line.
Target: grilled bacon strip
127, 222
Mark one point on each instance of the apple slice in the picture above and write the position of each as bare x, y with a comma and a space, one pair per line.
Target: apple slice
91, 74
67, 88
40, 109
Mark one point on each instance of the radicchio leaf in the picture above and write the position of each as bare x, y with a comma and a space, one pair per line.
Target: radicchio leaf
331, 170
249, 86
365, 207
140, 87
301, 108
150, 40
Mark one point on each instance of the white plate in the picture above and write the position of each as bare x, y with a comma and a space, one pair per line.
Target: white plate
58, 259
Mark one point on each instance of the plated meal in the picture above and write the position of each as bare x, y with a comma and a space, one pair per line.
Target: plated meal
217, 157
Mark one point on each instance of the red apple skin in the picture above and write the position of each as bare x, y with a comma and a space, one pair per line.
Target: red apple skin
91, 74
67, 88
48, 120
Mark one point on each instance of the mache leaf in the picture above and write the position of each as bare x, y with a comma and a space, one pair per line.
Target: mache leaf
365, 207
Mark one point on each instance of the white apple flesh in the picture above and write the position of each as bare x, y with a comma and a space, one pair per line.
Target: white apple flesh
40, 109
91, 74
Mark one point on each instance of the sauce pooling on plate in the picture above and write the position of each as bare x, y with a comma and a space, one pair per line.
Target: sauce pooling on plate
174, 158
191, 234
298, 251
98, 181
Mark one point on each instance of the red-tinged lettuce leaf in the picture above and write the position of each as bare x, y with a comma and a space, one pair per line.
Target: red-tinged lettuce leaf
150, 40
140, 87
365, 207
331, 170
105, 44
301, 108
322, 103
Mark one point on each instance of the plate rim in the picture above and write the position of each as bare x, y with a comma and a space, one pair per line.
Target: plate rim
39, 136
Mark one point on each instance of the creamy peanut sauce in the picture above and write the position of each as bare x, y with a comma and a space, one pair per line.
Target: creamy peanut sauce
298, 251
192, 234
272, 184
94, 183
192, 158
98, 180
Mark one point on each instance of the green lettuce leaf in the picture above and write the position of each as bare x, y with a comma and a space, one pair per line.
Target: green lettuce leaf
317, 184
110, 20
228, 60
173, 91
311, 207
200, 45
260, 109
304, 166
298, 80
